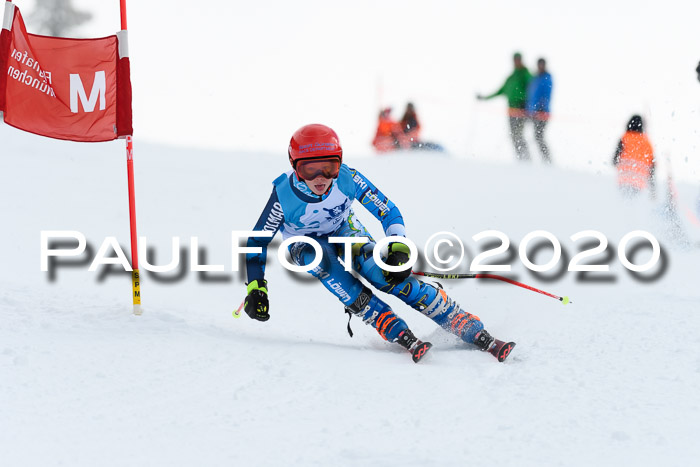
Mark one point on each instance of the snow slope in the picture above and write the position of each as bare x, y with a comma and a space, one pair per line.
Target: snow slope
610, 379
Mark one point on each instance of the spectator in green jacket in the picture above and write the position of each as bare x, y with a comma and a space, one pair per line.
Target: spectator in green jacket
515, 89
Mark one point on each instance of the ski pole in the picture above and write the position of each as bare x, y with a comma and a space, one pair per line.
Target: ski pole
564, 300
237, 313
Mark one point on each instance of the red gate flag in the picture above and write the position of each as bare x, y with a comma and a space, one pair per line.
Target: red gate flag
72, 89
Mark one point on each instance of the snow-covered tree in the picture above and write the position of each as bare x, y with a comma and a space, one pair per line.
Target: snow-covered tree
57, 17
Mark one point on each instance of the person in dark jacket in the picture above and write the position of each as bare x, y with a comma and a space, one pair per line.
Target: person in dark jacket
539, 94
410, 125
515, 89
411, 131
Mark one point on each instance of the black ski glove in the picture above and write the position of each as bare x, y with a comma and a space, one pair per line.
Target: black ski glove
256, 303
399, 254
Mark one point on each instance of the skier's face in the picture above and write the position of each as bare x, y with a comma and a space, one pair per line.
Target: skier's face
320, 184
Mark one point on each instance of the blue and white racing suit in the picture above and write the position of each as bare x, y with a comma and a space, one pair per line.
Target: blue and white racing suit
295, 210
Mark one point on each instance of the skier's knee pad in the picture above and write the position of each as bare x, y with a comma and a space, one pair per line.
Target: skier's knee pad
378, 314
300, 253
304, 254
430, 300
364, 263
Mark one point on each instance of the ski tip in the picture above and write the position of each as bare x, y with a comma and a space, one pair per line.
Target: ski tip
504, 351
420, 351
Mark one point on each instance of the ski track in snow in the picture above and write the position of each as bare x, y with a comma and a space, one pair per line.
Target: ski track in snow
610, 380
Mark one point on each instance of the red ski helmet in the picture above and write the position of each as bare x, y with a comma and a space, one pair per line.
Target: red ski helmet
314, 141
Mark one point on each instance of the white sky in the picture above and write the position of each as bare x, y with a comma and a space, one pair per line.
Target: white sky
245, 75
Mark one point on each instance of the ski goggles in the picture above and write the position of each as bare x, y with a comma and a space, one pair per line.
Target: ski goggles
310, 169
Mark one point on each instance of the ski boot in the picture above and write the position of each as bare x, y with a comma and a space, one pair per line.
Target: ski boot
414, 345
487, 343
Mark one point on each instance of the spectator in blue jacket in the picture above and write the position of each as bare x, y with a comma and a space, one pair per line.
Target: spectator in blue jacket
539, 93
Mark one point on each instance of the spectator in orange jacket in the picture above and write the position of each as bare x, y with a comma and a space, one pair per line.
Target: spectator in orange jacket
389, 135
634, 159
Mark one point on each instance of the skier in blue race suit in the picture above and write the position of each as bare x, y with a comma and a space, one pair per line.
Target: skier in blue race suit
315, 200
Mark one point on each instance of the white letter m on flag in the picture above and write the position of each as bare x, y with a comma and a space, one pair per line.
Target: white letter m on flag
99, 88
